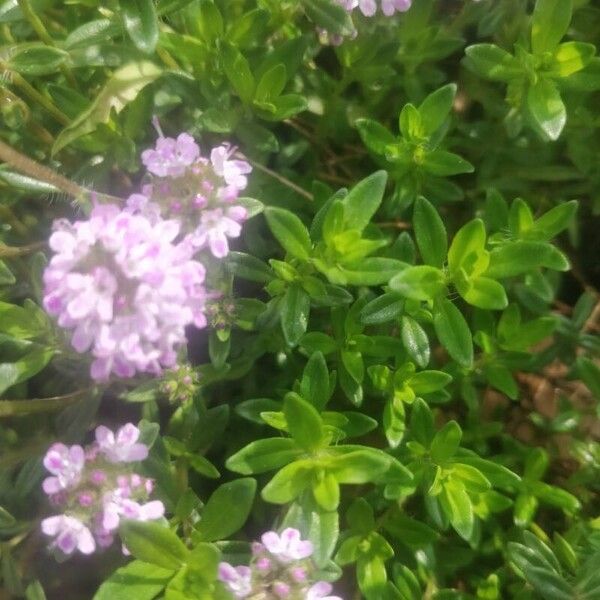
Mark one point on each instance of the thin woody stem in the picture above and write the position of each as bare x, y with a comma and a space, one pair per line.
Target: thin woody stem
12, 251
27, 166
34, 95
12, 408
283, 180
41, 31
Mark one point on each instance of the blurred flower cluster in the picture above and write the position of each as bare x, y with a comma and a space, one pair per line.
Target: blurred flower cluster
280, 568
94, 488
128, 281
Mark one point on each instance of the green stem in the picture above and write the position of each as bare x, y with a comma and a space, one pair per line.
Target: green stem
41, 31
35, 22
30, 91
27, 166
12, 251
283, 180
16, 408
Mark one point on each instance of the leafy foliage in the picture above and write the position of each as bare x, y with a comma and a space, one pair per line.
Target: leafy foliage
403, 361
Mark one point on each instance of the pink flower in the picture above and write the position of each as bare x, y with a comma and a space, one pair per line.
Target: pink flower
69, 533
171, 157
216, 226
116, 508
233, 171
66, 464
124, 446
238, 580
125, 288
281, 589
320, 591
389, 7
288, 546
369, 7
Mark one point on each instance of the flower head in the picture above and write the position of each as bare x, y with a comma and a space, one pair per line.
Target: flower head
369, 7
69, 534
170, 157
238, 580
125, 288
198, 192
122, 447
65, 464
320, 591
95, 487
288, 546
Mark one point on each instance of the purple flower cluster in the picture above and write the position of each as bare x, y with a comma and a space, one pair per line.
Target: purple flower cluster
94, 488
369, 7
126, 288
280, 568
199, 192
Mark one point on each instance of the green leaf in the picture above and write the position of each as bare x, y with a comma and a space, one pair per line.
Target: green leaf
263, 455
323, 532
137, 579
546, 108
209, 22
436, 107
421, 423
550, 22
24, 368
484, 292
589, 372
122, 88
375, 136
289, 482
328, 16
295, 308
410, 123
491, 62
453, 332
467, 245
363, 200
525, 508
419, 283
430, 233
459, 508
425, 382
238, 72
303, 422
271, 84
444, 164
314, 385
24, 322
519, 257
446, 442
153, 543
383, 309
37, 59
251, 26
555, 496
6, 277
551, 223
359, 466
326, 491
394, 424
141, 23
289, 231
373, 270
249, 267
232, 500
415, 341
572, 57
500, 377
